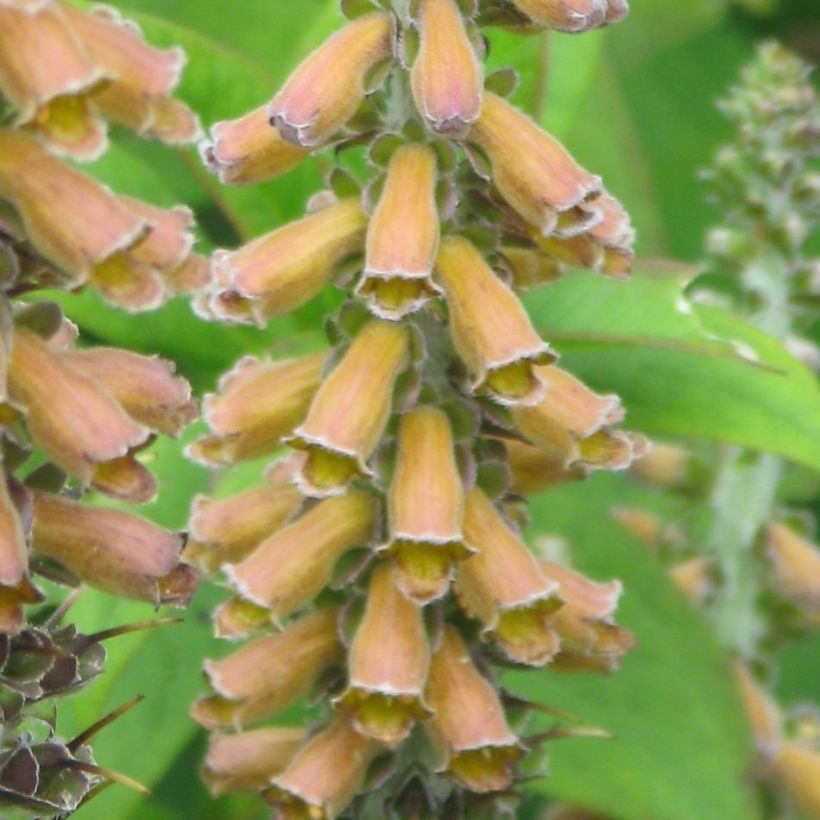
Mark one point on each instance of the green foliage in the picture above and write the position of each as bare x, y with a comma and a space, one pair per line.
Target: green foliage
636, 104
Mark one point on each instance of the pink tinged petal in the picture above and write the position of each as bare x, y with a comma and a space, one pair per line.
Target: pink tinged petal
75, 420
572, 16
324, 92
13, 551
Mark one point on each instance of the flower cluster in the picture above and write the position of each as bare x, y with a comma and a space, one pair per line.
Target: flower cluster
382, 559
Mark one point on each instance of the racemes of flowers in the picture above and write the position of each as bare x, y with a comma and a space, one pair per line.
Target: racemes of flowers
380, 565
75, 418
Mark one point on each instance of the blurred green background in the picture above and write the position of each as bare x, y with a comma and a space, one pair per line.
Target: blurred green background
634, 103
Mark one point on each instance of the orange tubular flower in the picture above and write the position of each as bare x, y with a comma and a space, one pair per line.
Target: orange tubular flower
326, 89
349, 413
534, 172
290, 567
258, 403
490, 328
284, 269
387, 665
505, 588
249, 760
325, 774
248, 150
446, 76
797, 771
797, 566
270, 673
425, 506
402, 237
480, 750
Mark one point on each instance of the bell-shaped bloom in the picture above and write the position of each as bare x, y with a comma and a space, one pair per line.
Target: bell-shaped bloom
797, 771
75, 420
145, 386
533, 470
568, 412
227, 530
797, 566
349, 412
533, 172
270, 673
325, 90
291, 567
325, 775
589, 637
238, 618
282, 270
504, 587
249, 149
611, 450
139, 77
13, 552
112, 550
72, 220
762, 712
605, 247
480, 751
46, 74
425, 506
490, 328
387, 664
247, 761
447, 77
573, 16
257, 404
530, 268
403, 236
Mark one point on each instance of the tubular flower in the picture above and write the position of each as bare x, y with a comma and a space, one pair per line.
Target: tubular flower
425, 506
415, 436
387, 665
446, 76
326, 89
797, 567
573, 16
402, 237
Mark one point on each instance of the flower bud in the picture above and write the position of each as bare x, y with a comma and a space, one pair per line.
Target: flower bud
227, 530
326, 89
249, 760
249, 149
584, 623
446, 75
796, 565
387, 664
534, 471
665, 466
325, 775
503, 586
291, 567
531, 269
693, 578
46, 75
572, 16
646, 526
72, 220
258, 403
403, 235
76, 421
797, 771
569, 411
490, 328
533, 171
425, 506
269, 674
349, 412
282, 270
468, 722
145, 386
761, 710
110, 549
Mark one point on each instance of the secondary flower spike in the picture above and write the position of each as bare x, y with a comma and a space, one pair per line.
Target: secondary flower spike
415, 435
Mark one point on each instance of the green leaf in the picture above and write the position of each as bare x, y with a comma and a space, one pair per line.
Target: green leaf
681, 748
677, 368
